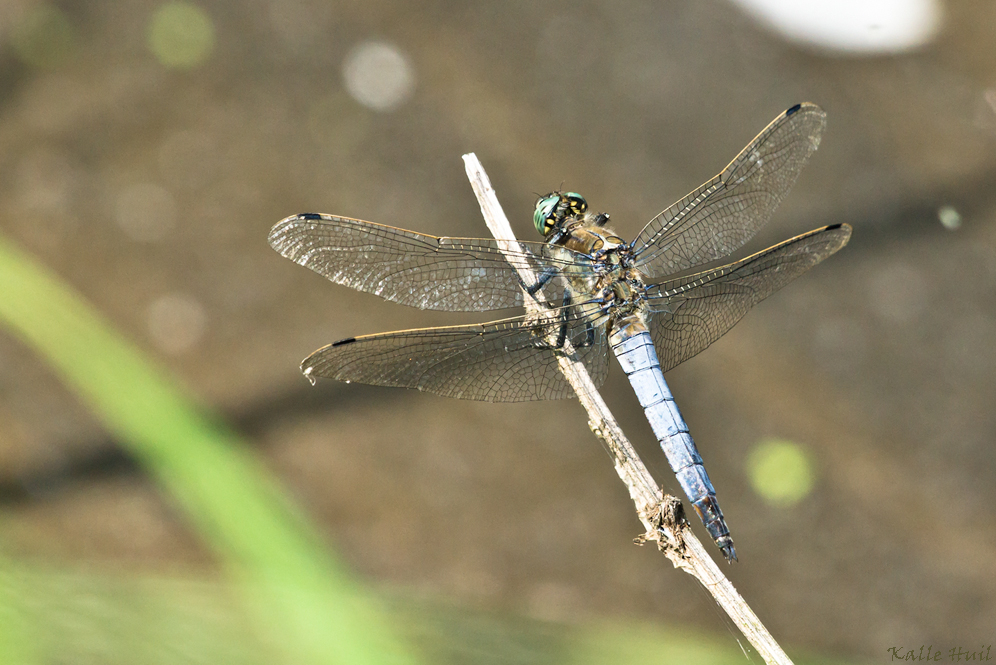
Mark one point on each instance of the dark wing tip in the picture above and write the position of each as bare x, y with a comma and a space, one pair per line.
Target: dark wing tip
316, 365
845, 230
806, 107
836, 235
281, 236
275, 236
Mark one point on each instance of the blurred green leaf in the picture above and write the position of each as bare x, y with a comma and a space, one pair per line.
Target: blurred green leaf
306, 601
15, 632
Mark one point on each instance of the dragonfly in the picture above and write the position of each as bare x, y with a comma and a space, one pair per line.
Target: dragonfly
648, 301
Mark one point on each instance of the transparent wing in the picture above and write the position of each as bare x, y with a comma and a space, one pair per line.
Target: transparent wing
725, 212
691, 313
510, 360
453, 274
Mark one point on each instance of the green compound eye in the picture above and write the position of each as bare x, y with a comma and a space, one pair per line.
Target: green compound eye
554, 208
546, 207
575, 202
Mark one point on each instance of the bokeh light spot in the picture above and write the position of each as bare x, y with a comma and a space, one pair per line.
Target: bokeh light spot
780, 472
378, 76
43, 37
181, 35
950, 217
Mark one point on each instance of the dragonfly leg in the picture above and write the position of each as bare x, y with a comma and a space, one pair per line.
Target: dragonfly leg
562, 336
562, 332
589, 338
541, 281
589, 328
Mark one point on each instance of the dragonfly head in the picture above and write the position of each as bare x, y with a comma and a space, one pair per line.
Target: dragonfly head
555, 208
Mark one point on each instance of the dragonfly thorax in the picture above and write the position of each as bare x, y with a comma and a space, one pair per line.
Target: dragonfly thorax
598, 243
609, 276
623, 294
609, 273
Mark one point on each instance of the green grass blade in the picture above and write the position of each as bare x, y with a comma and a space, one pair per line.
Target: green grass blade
313, 608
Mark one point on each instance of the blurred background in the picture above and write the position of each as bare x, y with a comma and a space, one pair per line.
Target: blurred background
146, 149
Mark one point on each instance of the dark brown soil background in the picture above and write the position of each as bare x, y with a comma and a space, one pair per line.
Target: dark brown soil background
881, 362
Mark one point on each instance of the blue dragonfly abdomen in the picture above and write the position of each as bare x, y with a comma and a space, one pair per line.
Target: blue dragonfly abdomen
638, 359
